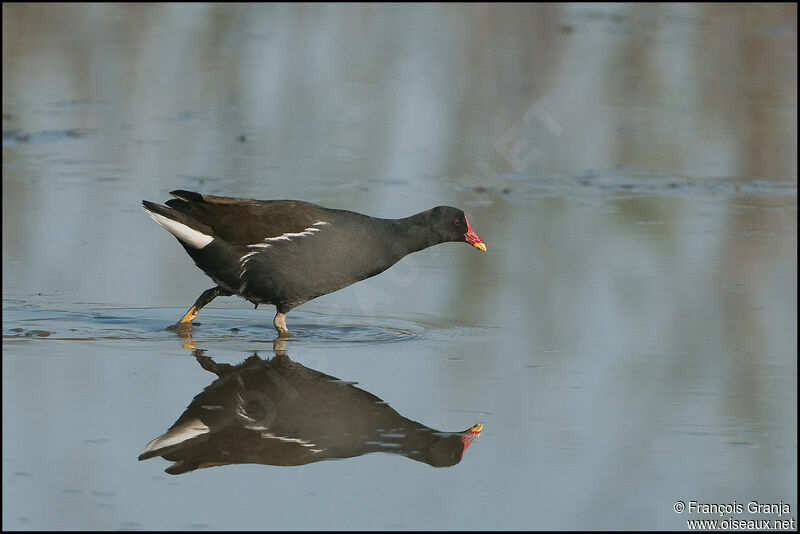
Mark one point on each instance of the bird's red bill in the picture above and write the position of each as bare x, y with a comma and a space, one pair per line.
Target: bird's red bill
470, 434
472, 238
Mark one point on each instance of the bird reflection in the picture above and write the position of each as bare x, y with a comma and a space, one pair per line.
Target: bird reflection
278, 412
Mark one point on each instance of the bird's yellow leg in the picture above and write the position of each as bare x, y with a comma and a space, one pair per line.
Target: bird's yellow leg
207, 296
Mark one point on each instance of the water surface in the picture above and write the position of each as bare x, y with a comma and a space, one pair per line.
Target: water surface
629, 340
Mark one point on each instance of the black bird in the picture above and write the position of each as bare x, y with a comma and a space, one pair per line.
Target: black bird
287, 252
278, 412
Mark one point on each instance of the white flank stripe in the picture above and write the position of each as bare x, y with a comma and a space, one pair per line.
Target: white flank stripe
190, 236
260, 247
179, 434
289, 235
285, 439
268, 242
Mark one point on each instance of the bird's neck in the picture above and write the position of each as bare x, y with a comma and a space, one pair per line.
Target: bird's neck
414, 233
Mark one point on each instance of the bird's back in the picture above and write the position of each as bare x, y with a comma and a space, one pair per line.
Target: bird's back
284, 252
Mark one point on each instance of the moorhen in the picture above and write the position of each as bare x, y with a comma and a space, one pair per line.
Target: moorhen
279, 412
287, 252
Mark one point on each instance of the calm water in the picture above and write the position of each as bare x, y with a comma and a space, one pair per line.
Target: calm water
628, 341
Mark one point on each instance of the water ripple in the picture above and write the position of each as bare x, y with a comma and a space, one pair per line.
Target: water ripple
29, 321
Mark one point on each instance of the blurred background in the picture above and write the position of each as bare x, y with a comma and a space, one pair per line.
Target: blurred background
628, 340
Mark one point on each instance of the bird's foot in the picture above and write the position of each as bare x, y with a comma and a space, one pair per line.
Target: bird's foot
184, 324
188, 317
181, 327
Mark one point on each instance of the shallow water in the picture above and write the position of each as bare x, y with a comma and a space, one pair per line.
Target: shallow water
628, 341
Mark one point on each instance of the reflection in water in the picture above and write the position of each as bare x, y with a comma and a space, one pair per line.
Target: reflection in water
636, 165
278, 412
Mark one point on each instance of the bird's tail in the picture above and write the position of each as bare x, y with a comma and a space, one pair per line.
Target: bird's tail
188, 230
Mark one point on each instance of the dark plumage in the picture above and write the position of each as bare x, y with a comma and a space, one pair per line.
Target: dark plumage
287, 252
278, 412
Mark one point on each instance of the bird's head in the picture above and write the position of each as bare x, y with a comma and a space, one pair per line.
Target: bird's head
452, 225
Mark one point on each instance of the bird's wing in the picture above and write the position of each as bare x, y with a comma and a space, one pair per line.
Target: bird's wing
245, 222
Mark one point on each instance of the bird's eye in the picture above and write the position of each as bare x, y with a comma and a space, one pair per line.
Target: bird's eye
457, 220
